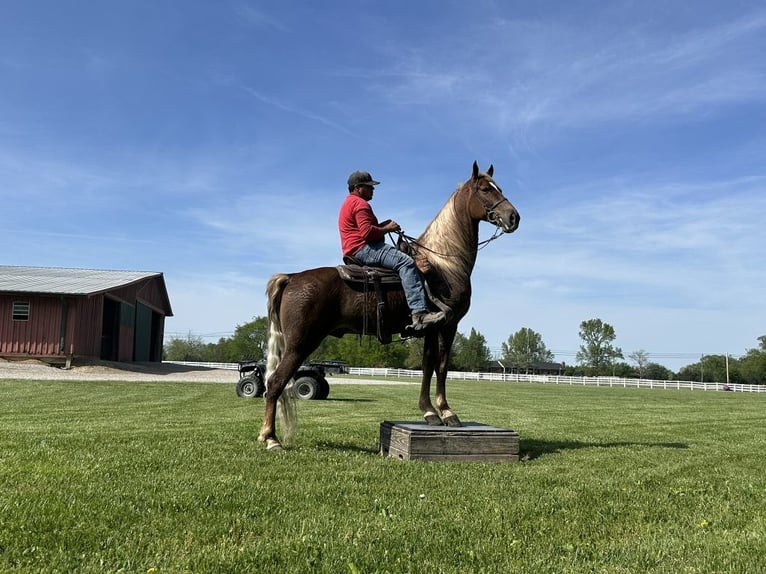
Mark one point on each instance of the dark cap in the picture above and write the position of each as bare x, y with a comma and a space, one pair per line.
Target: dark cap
361, 178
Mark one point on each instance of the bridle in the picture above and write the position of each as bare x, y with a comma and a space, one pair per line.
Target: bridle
492, 215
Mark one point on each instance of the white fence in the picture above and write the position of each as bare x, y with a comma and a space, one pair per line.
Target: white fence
226, 366
518, 378
563, 380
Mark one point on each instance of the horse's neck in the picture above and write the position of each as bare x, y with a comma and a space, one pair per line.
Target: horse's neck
451, 239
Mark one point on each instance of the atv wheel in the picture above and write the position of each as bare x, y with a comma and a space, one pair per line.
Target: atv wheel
250, 387
307, 388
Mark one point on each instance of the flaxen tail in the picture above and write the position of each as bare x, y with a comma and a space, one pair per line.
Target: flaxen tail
286, 408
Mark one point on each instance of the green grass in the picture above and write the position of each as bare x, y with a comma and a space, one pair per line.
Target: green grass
168, 477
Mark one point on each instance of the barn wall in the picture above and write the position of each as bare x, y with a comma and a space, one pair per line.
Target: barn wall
150, 292
40, 335
84, 329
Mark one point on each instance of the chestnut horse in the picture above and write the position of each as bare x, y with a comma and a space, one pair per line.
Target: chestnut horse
305, 307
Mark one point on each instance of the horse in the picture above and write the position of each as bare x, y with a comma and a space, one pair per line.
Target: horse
305, 307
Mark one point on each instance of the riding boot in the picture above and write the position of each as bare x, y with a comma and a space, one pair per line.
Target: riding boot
425, 319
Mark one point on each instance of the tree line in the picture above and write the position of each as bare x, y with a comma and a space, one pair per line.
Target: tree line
523, 352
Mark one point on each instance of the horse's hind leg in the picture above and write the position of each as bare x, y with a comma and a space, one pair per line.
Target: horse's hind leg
275, 386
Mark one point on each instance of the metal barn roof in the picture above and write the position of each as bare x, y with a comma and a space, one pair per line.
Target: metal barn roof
61, 281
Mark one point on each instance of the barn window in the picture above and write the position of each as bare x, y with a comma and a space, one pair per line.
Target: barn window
21, 311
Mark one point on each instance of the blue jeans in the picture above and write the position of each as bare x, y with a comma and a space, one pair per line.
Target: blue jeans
384, 255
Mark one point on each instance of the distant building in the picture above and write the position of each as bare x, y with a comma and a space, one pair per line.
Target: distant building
54, 313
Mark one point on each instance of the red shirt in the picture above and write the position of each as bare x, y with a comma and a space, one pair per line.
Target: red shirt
357, 225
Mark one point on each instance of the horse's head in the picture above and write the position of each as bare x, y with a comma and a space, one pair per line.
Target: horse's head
487, 202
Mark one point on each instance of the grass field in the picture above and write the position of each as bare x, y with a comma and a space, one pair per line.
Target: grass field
168, 477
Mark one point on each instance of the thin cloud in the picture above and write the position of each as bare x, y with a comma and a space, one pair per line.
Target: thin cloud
259, 18
578, 79
299, 112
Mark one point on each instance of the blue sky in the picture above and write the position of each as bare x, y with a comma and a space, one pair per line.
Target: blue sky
211, 141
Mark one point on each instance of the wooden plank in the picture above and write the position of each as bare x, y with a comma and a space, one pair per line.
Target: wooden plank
472, 442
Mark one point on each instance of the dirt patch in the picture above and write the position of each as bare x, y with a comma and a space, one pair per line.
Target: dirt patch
113, 371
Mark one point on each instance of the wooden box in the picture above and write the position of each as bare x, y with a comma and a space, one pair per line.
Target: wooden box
472, 442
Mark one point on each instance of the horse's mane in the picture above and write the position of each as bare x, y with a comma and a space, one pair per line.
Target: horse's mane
450, 244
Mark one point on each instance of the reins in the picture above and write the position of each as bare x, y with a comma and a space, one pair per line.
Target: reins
411, 241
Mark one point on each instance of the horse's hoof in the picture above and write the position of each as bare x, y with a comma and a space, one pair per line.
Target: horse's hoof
451, 420
433, 419
273, 445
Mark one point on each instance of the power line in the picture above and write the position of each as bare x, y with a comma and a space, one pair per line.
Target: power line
213, 335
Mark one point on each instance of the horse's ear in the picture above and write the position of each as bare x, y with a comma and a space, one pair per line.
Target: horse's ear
491, 170
475, 170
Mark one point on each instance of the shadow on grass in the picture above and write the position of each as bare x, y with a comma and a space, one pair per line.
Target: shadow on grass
532, 448
345, 446
529, 449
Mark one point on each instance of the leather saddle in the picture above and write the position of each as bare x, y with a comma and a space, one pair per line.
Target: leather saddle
354, 271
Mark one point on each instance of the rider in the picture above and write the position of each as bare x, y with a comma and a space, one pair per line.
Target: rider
362, 236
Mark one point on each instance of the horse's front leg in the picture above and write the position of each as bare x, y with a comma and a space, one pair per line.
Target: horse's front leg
430, 414
447, 416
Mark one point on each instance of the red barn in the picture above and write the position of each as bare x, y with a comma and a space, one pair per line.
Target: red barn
51, 313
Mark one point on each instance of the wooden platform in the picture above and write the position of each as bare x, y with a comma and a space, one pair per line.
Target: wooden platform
473, 442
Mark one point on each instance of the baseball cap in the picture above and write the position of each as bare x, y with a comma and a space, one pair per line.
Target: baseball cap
361, 178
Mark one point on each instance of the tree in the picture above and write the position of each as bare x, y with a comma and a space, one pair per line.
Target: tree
524, 348
598, 353
691, 372
752, 366
458, 344
623, 370
414, 358
192, 348
641, 358
711, 368
249, 342
718, 366
657, 372
473, 353
394, 354
362, 351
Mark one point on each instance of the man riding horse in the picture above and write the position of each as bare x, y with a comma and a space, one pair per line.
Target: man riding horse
363, 238
306, 306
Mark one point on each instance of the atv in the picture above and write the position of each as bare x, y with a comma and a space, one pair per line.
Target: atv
310, 382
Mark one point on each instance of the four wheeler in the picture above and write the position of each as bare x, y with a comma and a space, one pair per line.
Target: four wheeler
251, 379
310, 381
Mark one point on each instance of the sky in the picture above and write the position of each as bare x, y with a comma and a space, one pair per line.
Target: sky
211, 141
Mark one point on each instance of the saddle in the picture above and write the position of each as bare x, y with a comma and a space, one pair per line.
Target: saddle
354, 271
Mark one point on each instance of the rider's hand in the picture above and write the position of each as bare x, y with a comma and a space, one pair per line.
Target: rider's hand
390, 226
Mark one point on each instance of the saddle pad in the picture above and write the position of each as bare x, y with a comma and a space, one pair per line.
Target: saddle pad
360, 274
